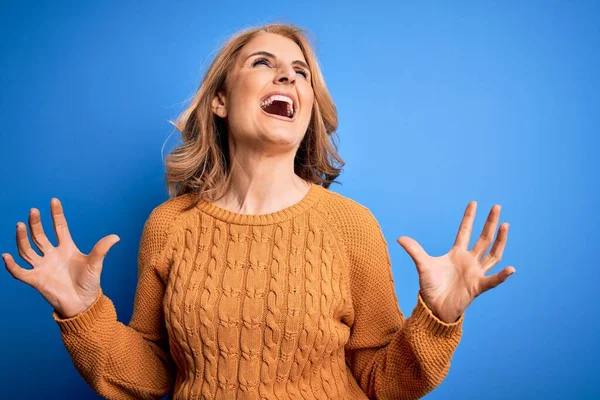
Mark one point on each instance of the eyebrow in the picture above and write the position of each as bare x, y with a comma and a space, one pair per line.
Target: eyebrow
267, 54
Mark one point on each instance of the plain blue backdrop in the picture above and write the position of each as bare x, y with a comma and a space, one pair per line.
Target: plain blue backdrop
439, 103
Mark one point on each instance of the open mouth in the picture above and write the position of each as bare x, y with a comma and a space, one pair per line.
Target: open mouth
278, 105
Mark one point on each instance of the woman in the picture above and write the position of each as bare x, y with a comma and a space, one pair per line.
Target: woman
255, 281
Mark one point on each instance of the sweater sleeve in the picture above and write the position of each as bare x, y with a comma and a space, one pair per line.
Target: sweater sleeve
390, 356
126, 361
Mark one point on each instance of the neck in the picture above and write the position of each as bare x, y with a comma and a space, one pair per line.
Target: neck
262, 184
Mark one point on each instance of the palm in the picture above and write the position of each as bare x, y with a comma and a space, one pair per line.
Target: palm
59, 275
449, 283
68, 279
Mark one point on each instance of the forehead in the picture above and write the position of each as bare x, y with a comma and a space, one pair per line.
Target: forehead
280, 46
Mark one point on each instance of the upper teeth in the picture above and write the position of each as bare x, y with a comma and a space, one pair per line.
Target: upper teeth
267, 102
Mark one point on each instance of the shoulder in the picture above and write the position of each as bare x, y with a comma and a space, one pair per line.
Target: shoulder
168, 211
159, 230
163, 221
355, 223
346, 213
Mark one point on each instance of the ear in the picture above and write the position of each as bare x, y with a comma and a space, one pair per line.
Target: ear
218, 105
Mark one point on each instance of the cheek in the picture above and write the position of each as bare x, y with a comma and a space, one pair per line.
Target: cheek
239, 106
309, 99
241, 95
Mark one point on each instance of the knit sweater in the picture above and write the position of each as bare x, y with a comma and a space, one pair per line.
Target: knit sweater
295, 304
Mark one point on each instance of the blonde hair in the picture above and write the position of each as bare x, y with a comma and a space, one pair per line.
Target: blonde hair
200, 164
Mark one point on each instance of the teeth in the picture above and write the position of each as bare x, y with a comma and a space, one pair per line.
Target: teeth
290, 103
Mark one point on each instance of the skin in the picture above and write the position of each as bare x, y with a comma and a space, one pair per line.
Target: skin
263, 148
449, 283
262, 151
68, 279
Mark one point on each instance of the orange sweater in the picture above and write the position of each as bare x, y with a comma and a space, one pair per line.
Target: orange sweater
296, 304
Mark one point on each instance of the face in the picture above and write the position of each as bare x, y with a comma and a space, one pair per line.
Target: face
269, 96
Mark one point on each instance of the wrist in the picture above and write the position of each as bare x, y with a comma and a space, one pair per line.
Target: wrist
446, 316
73, 309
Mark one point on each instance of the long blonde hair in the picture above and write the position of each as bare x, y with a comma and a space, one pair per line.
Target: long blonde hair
200, 164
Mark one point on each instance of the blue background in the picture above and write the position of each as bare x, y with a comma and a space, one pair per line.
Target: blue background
440, 103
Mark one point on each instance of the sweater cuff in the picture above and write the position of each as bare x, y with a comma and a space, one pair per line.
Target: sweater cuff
85, 320
423, 316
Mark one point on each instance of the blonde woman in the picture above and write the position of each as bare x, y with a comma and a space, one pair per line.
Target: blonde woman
256, 281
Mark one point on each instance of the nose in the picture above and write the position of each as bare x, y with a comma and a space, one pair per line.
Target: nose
285, 74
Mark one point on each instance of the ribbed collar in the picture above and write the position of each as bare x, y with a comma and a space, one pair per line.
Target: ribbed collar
311, 198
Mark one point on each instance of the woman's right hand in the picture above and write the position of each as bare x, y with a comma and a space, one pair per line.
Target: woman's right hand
68, 279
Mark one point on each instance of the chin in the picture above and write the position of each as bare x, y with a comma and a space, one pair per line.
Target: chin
280, 135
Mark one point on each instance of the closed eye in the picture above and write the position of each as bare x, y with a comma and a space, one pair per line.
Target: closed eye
302, 72
264, 61
260, 61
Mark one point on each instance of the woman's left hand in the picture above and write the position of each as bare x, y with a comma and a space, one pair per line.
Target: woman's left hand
448, 284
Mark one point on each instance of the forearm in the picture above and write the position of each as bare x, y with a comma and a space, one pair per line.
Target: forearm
117, 361
414, 362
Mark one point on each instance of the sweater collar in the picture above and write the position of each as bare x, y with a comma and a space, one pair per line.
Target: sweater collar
284, 214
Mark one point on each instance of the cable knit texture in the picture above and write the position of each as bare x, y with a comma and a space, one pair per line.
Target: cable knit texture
296, 304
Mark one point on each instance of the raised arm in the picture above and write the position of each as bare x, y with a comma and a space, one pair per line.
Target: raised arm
390, 356
127, 361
